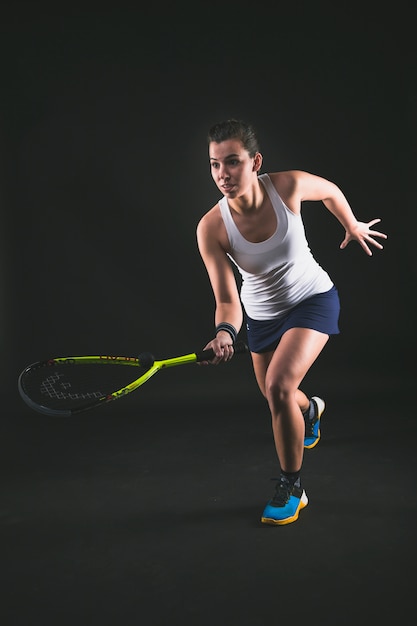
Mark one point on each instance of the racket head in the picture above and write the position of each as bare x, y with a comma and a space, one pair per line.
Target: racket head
64, 386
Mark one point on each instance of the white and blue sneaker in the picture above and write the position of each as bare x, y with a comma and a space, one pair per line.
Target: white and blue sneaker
312, 419
286, 504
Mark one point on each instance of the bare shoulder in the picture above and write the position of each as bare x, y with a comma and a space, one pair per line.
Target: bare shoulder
287, 184
210, 221
295, 186
211, 231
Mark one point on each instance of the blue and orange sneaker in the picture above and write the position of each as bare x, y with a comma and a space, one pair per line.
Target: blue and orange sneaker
286, 504
312, 421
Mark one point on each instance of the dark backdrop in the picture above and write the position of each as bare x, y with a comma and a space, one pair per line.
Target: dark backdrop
104, 170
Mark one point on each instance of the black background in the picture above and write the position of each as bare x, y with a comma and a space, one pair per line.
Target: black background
105, 172
149, 508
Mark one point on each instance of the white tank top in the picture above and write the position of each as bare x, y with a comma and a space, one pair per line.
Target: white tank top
279, 272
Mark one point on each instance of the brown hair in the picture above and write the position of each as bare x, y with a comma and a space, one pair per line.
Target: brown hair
235, 129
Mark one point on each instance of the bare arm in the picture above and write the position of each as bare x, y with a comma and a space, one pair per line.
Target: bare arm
299, 186
228, 306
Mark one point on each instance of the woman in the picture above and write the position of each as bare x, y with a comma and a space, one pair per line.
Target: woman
290, 304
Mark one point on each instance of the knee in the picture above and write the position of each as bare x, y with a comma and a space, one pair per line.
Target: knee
277, 392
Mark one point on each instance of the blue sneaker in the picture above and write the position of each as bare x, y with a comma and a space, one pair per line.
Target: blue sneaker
312, 420
286, 504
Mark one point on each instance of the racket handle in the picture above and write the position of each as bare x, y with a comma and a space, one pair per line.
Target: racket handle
239, 347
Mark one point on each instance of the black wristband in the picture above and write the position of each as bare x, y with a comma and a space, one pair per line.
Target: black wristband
228, 328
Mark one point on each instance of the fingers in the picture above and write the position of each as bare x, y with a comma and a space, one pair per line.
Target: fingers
365, 236
366, 248
223, 354
374, 242
375, 233
369, 237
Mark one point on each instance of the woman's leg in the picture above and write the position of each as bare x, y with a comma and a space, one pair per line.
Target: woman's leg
260, 365
279, 375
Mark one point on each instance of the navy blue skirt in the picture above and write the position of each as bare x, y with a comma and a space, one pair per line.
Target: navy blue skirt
319, 312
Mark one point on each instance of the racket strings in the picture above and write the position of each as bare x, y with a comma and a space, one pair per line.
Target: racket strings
75, 385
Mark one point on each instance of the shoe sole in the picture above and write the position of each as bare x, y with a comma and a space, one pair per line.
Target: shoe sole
287, 520
321, 405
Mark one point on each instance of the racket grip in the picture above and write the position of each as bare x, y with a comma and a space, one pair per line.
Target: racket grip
239, 347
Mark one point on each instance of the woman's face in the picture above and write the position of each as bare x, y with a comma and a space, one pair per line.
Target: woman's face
232, 168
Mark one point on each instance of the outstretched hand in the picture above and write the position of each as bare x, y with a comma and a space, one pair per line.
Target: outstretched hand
364, 235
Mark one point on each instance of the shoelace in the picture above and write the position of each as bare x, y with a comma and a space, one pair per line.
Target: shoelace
309, 432
283, 491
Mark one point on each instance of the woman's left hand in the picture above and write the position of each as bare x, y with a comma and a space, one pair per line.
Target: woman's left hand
364, 235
